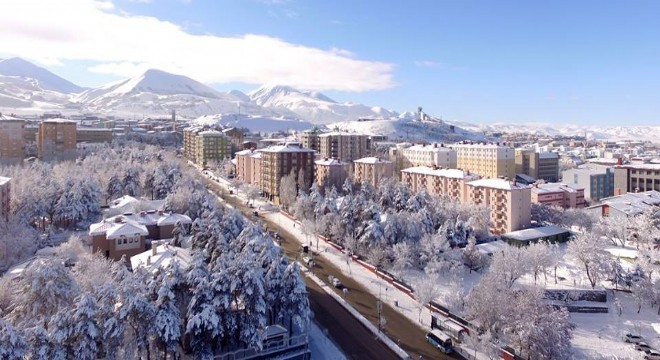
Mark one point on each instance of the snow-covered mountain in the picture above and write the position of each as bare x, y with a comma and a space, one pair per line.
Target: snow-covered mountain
407, 127
45, 79
158, 93
255, 123
314, 106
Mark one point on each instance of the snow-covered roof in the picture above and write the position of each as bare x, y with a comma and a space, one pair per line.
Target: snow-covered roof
481, 145
449, 173
172, 219
498, 184
123, 201
339, 133
210, 133
165, 254
429, 147
372, 160
244, 152
126, 229
59, 121
632, 203
490, 248
328, 162
535, 233
555, 187
288, 147
640, 166
548, 155
4, 180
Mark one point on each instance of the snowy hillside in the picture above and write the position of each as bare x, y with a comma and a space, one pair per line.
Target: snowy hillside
407, 128
254, 123
313, 106
158, 93
20, 94
650, 133
45, 79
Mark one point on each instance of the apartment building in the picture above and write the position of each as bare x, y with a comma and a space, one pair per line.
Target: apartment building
372, 169
539, 165
5, 196
248, 166
93, 135
597, 182
212, 145
344, 146
190, 142
310, 139
626, 205
440, 182
636, 178
12, 143
280, 160
56, 140
509, 203
429, 155
488, 160
558, 194
330, 172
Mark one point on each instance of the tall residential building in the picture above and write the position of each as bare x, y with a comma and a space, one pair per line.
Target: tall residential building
5, 196
636, 178
212, 145
509, 203
310, 139
372, 169
539, 165
56, 140
440, 182
190, 142
248, 166
280, 160
429, 155
12, 143
344, 146
330, 172
596, 182
487, 160
558, 194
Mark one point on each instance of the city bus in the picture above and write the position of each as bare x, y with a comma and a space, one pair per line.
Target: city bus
440, 340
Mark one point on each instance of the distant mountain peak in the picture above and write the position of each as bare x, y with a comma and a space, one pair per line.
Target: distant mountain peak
47, 80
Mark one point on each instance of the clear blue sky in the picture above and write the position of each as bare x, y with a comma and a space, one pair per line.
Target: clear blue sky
581, 62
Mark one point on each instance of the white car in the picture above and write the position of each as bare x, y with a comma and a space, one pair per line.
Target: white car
642, 346
308, 261
652, 355
635, 339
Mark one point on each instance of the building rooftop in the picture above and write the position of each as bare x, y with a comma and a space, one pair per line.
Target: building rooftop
210, 133
59, 121
632, 203
555, 187
639, 166
288, 147
429, 147
548, 155
339, 133
164, 255
498, 184
449, 173
535, 233
481, 145
372, 160
328, 162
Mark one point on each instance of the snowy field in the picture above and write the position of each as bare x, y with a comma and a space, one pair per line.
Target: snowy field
321, 345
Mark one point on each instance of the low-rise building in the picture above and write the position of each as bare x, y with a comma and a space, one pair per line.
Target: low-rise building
127, 234
430, 155
551, 234
636, 178
509, 203
597, 182
372, 170
5, 196
626, 205
330, 172
440, 182
558, 194
160, 256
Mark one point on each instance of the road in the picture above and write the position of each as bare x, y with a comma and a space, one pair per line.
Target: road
343, 328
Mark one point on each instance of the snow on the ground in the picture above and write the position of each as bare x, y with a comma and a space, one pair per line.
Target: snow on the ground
321, 345
595, 334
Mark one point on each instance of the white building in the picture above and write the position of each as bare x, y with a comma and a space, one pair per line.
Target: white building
429, 155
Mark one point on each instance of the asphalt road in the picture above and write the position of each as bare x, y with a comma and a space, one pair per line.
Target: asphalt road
352, 337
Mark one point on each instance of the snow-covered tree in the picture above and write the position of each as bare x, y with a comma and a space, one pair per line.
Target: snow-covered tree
167, 321
426, 290
288, 190
510, 264
295, 304
12, 343
86, 332
472, 257
587, 249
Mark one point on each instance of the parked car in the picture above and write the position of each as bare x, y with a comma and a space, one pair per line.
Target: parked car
304, 248
308, 261
255, 213
634, 339
336, 282
642, 346
652, 355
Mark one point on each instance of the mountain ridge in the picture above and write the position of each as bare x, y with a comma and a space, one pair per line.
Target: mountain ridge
47, 80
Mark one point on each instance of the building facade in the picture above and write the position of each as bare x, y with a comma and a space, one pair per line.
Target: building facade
190, 142
558, 194
372, 170
539, 165
280, 160
509, 203
248, 166
344, 146
56, 140
310, 139
429, 155
12, 142
439, 182
93, 135
596, 182
330, 172
488, 160
212, 145
636, 178
5, 197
